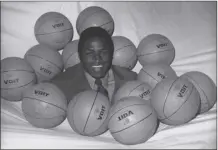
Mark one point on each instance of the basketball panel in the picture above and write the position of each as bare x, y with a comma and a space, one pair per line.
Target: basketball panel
97, 19
179, 93
52, 24
16, 94
39, 109
98, 114
43, 68
16, 78
87, 12
14, 63
127, 116
69, 50
46, 53
82, 109
45, 123
140, 132
56, 40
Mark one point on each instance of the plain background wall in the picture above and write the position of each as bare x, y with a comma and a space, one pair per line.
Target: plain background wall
191, 26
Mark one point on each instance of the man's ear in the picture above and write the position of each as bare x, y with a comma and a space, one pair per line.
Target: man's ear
80, 56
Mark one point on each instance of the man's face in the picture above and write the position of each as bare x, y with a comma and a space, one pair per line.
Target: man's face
96, 57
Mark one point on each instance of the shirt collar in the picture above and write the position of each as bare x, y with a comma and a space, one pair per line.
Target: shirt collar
91, 80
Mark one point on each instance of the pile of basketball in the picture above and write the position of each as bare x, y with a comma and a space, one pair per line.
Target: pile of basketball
158, 94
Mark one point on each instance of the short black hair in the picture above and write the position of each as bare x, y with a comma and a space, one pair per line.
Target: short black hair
94, 32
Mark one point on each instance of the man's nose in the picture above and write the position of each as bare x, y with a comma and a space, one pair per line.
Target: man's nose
98, 57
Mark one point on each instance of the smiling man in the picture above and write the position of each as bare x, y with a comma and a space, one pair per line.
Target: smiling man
95, 71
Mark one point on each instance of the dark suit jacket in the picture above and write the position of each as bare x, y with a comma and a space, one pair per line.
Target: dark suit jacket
73, 80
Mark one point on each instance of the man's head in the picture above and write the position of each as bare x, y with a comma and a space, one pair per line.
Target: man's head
96, 50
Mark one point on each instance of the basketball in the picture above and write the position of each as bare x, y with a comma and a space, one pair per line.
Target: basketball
54, 30
206, 88
133, 88
124, 52
176, 101
16, 77
87, 113
70, 55
155, 48
46, 62
155, 73
94, 16
44, 105
132, 121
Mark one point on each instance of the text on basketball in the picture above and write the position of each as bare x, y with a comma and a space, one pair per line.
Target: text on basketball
161, 75
45, 70
58, 25
124, 115
37, 92
182, 91
144, 94
11, 81
162, 45
101, 112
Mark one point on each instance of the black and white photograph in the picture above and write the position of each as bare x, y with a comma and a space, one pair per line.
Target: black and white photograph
108, 74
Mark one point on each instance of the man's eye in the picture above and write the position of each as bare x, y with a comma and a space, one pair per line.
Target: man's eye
104, 52
89, 53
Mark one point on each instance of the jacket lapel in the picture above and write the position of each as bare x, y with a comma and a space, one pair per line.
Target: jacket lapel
121, 76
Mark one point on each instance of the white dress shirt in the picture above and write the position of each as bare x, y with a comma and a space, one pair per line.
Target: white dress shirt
107, 82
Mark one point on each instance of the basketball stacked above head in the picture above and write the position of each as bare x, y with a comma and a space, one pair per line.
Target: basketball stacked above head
54, 30
94, 16
155, 49
124, 52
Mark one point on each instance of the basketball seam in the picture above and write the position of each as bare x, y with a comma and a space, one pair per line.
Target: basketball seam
156, 52
44, 102
149, 75
90, 113
17, 87
201, 90
126, 62
53, 32
88, 17
180, 106
106, 23
45, 60
131, 59
122, 48
132, 124
69, 58
101, 124
122, 109
17, 70
40, 118
73, 114
135, 88
135, 54
167, 97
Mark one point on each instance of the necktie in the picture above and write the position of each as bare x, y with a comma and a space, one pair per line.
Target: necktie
100, 88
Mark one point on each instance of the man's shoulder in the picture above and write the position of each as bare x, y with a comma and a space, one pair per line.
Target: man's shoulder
70, 73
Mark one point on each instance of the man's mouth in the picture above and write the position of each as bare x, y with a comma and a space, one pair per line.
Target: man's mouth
97, 66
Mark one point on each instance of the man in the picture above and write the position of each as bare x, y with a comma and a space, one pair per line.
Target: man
95, 49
